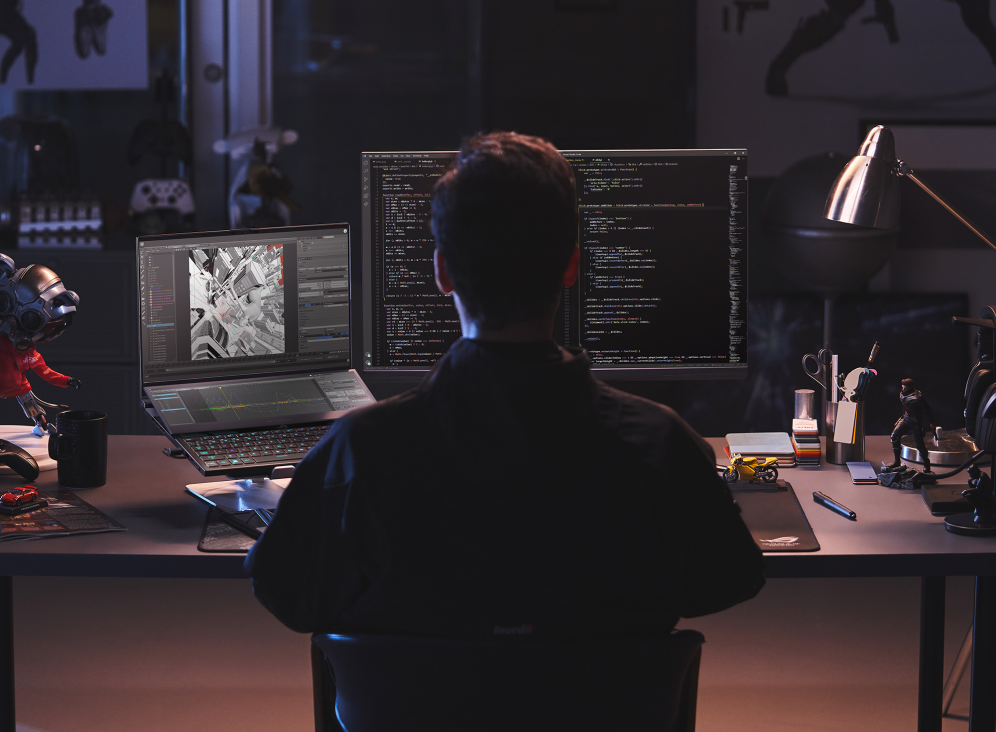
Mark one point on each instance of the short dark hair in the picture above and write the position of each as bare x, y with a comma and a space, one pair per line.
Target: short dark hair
909, 383
505, 219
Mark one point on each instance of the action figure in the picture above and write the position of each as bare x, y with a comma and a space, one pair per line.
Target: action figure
35, 307
265, 181
90, 20
23, 39
917, 416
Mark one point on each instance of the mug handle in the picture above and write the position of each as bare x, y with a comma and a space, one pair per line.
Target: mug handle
60, 447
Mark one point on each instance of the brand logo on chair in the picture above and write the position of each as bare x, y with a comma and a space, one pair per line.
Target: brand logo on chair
513, 629
781, 541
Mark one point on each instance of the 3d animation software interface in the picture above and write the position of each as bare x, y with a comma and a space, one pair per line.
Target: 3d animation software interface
663, 260
257, 305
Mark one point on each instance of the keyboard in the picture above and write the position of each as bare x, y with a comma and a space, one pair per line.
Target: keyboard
244, 449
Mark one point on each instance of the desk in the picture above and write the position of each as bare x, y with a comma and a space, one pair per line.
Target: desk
144, 492
893, 536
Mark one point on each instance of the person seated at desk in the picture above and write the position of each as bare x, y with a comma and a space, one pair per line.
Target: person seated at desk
510, 493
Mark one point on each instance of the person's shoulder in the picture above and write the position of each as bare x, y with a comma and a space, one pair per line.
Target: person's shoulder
360, 436
388, 414
627, 409
654, 428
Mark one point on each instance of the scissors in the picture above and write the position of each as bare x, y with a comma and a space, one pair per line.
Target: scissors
822, 361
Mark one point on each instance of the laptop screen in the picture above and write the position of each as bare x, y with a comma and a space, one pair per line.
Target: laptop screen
232, 304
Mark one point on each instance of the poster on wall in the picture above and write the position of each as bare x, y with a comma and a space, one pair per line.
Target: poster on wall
792, 78
73, 44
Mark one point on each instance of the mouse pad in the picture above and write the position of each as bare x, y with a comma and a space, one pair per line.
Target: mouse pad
774, 517
221, 537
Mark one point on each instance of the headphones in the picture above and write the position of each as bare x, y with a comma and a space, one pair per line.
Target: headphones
35, 306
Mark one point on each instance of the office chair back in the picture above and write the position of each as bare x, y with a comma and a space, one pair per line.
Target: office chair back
401, 684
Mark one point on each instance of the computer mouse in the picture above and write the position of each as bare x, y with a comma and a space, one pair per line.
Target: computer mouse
18, 460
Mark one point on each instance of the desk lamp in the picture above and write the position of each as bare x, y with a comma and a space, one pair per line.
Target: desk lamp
866, 193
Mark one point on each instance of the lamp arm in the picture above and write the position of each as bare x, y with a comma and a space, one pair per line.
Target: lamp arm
905, 170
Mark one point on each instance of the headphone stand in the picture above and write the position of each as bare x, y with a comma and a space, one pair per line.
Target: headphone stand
981, 521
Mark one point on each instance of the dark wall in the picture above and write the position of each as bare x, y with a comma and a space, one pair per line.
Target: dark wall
590, 75
368, 75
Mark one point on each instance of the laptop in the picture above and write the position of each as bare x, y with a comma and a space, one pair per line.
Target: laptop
245, 343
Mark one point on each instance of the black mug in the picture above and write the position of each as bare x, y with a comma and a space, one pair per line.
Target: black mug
80, 448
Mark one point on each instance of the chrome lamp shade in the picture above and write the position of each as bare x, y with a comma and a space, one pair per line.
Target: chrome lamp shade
866, 192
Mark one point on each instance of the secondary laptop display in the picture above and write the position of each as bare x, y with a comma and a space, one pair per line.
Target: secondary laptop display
254, 402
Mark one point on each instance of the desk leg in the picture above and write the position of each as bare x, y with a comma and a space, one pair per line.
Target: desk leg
7, 716
982, 717
929, 711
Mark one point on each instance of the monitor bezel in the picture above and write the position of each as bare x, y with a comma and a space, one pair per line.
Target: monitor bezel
387, 375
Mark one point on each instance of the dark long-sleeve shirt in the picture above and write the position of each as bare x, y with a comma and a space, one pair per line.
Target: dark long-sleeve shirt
506, 495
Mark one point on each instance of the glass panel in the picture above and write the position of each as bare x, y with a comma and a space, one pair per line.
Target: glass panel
356, 75
102, 123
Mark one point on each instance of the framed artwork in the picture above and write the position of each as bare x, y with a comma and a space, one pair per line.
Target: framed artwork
792, 78
73, 44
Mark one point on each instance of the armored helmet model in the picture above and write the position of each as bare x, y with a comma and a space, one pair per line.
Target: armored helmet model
35, 306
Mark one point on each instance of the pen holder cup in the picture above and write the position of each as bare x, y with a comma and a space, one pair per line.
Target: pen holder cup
839, 453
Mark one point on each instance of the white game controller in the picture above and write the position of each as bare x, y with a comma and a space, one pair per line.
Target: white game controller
162, 193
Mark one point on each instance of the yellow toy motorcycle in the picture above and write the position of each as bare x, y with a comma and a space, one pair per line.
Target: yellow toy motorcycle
752, 469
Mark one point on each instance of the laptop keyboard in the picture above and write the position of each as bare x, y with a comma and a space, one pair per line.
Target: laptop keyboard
238, 449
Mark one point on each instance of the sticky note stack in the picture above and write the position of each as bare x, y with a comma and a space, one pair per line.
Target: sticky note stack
806, 441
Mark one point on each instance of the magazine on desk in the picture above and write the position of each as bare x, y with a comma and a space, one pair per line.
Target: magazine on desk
65, 515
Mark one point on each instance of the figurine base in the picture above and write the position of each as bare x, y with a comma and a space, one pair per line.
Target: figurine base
964, 524
954, 448
25, 508
904, 478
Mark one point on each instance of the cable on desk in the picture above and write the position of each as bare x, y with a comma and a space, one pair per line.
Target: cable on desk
951, 473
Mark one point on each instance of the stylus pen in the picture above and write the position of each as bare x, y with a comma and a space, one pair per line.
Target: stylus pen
827, 502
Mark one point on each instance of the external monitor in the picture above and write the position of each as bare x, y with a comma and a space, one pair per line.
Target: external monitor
662, 287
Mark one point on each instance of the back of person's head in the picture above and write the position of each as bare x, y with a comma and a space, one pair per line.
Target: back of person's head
505, 221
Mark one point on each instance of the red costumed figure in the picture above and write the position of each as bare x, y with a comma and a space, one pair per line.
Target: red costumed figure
35, 307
